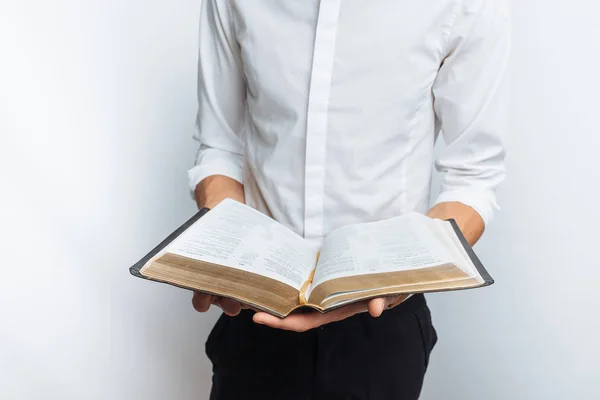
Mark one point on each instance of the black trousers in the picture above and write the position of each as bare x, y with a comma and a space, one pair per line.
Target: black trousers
357, 358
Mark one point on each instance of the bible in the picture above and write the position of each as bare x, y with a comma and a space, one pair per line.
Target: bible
235, 251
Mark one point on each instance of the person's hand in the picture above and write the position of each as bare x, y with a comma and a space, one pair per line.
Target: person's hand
313, 319
202, 303
210, 192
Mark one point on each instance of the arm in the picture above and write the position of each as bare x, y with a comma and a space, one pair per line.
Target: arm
218, 171
221, 109
471, 105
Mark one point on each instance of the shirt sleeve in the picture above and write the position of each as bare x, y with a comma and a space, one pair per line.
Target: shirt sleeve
471, 106
221, 97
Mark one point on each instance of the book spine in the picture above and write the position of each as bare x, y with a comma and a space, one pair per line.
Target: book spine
302, 294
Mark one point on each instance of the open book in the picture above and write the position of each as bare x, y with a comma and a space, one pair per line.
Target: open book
235, 251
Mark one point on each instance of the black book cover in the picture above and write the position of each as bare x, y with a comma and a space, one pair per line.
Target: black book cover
135, 269
487, 278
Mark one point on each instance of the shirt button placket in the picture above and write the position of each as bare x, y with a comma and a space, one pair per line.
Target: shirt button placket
316, 129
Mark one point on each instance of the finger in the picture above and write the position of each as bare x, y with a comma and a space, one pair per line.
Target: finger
201, 302
296, 322
376, 306
394, 301
306, 321
230, 307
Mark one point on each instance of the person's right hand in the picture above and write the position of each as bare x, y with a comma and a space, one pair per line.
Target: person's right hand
210, 192
202, 303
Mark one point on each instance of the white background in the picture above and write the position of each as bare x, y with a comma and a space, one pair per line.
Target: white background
97, 101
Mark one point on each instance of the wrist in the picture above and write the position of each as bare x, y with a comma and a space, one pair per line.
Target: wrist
214, 189
469, 221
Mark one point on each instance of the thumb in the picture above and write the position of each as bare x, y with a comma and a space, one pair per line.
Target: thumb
376, 307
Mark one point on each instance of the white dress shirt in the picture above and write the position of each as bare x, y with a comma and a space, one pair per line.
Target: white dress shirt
327, 111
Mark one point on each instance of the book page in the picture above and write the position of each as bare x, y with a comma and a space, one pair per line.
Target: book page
238, 236
401, 243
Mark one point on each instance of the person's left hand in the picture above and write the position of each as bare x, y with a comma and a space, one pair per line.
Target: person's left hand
313, 319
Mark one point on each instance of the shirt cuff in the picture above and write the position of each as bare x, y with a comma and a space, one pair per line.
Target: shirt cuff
212, 161
484, 202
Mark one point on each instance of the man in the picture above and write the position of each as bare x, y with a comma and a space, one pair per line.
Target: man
322, 114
